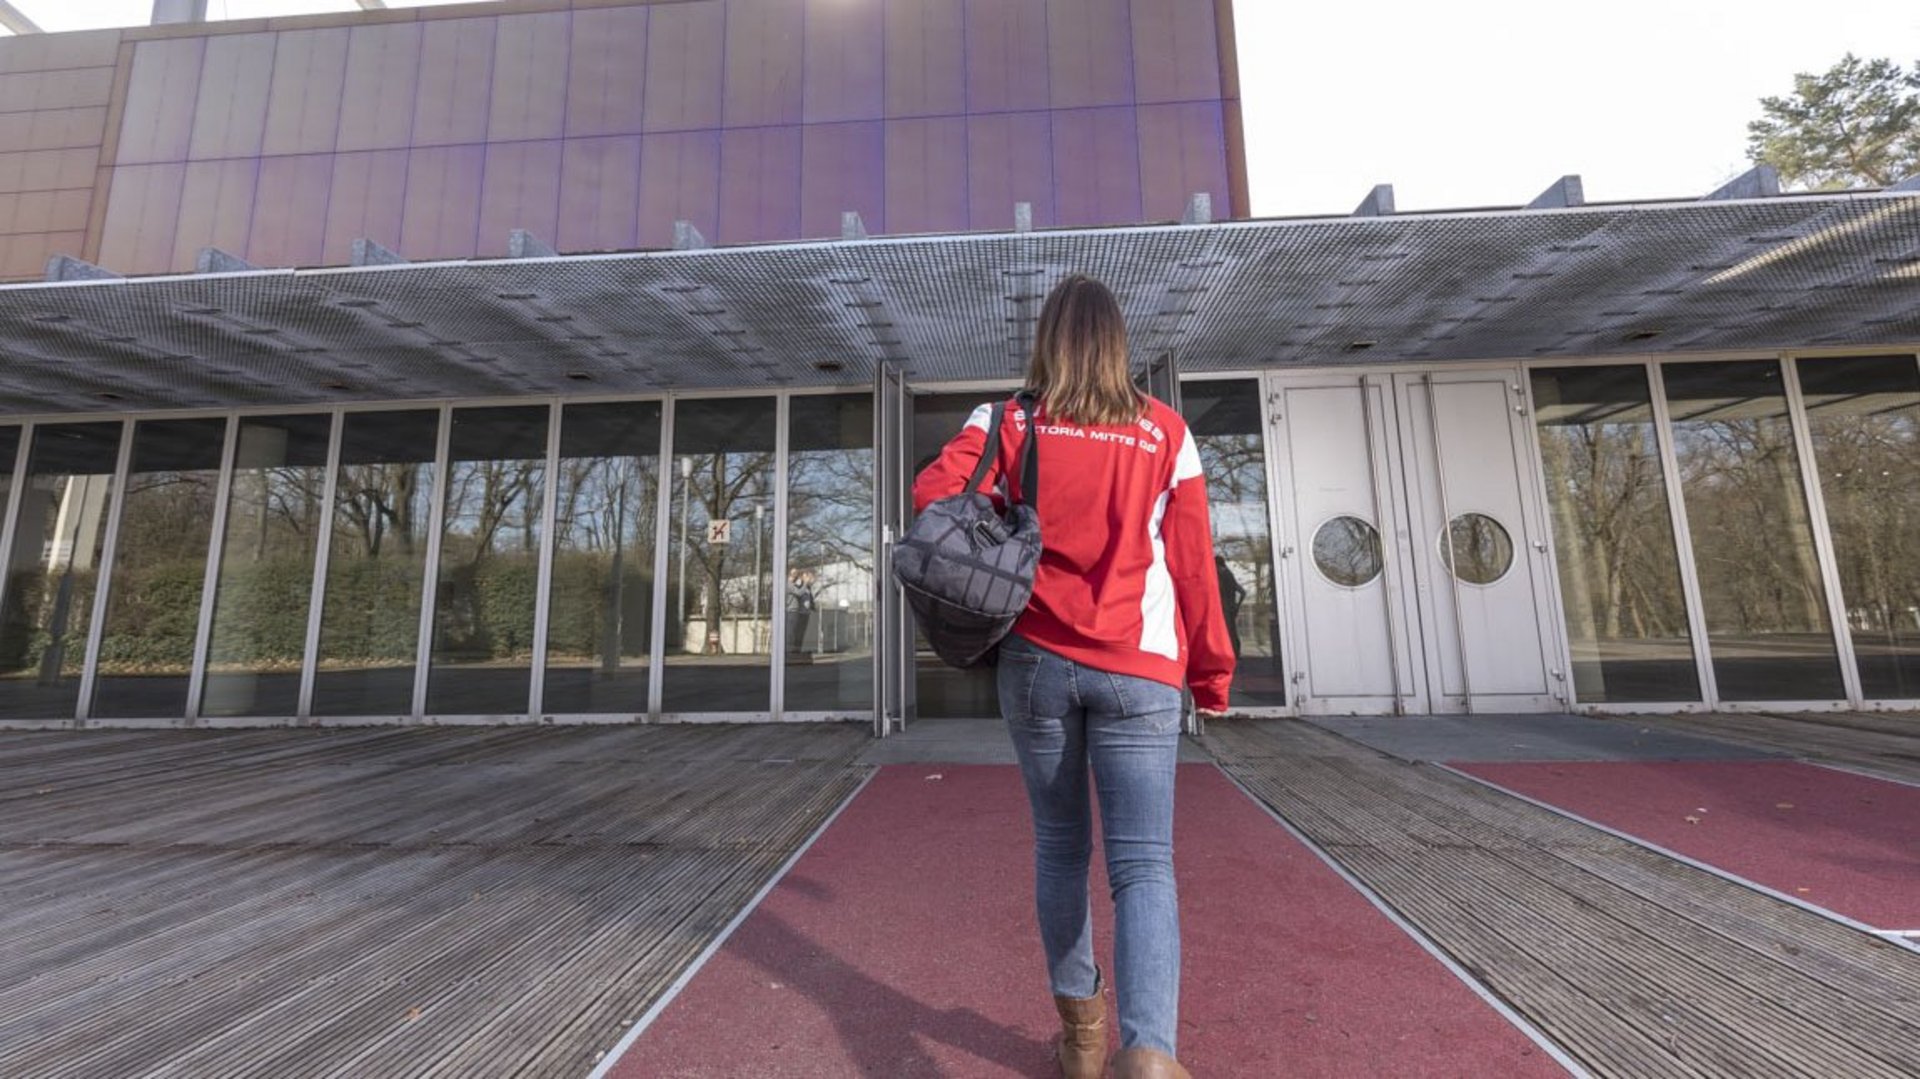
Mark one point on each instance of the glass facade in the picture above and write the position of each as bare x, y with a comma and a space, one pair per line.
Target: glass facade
1753, 545
377, 564
489, 567
600, 620
1626, 613
1863, 416
829, 587
731, 572
58, 540
720, 557
159, 569
265, 587
1225, 420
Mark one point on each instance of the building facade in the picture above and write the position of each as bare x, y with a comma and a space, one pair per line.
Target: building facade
614, 416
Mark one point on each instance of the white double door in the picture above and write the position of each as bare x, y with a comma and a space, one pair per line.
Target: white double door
1412, 544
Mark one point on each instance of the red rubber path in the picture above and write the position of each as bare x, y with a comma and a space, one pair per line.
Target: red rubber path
1845, 842
902, 944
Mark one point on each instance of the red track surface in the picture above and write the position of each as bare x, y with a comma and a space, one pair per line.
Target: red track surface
1834, 839
903, 944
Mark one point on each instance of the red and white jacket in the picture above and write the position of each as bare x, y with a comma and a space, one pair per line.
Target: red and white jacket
1127, 581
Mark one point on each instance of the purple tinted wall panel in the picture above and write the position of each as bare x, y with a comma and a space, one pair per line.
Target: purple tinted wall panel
1089, 53
607, 72
685, 46
1176, 51
456, 72
927, 175
383, 71
521, 190
161, 91
441, 214
759, 184
1009, 160
528, 97
1096, 167
1183, 151
599, 194
216, 208
303, 105
365, 198
290, 211
845, 59
841, 169
765, 50
230, 123
1006, 55
141, 217
679, 181
926, 57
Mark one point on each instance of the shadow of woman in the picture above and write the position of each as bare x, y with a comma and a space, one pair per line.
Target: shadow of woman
884, 1030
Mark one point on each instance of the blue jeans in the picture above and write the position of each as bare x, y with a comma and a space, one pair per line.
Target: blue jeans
1064, 716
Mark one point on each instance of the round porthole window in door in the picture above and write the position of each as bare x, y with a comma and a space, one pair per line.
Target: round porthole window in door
1346, 550
1481, 552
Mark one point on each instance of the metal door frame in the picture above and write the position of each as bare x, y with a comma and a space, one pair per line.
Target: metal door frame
892, 664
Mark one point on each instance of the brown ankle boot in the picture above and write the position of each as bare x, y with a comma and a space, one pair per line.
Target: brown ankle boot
1140, 1063
1083, 1034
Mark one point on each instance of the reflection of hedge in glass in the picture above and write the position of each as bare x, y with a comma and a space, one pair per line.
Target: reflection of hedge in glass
486, 610
156, 613
582, 617
263, 608
372, 610
26, 636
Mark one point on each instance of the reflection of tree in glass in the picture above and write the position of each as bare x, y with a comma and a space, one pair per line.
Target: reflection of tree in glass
488, 560
1479, 549
1236, 470
603, 558
725, 487
1347, 550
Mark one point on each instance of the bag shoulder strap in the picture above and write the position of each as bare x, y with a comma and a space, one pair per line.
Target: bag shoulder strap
990, 451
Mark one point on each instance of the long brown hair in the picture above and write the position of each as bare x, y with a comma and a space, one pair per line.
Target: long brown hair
1079, 366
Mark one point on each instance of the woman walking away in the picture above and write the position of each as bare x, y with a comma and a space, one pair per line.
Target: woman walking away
1125, 609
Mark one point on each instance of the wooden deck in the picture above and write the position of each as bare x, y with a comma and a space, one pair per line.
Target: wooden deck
1634, 963
378, 902
1883, 744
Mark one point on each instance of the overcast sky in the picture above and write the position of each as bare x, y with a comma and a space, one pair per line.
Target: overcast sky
1474, 103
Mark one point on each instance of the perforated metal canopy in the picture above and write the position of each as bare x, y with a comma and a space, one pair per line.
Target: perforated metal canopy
1760, 274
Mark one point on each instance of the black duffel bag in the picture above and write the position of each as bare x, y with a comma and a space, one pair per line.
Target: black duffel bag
966, 568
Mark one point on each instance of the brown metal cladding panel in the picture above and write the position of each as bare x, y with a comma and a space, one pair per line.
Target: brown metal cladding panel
24, 256
55, 52
521, 190
685, 43
1009, 160
364, 198
1183, 151
1228, 39
303, 108
67, 211
456, 70
143, 210
383, 69
216, 208
1176, 52
160, 99
765, 46
529, 95
759, 184
442, 209
290, 211
52, 129
607, 72
1241, 204
679, 181
926, 57
599, 195
230, 123
1089, 53
1006, 55
927, 175
31, 90
48, 170
1096, 167
841, 169
845, 61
